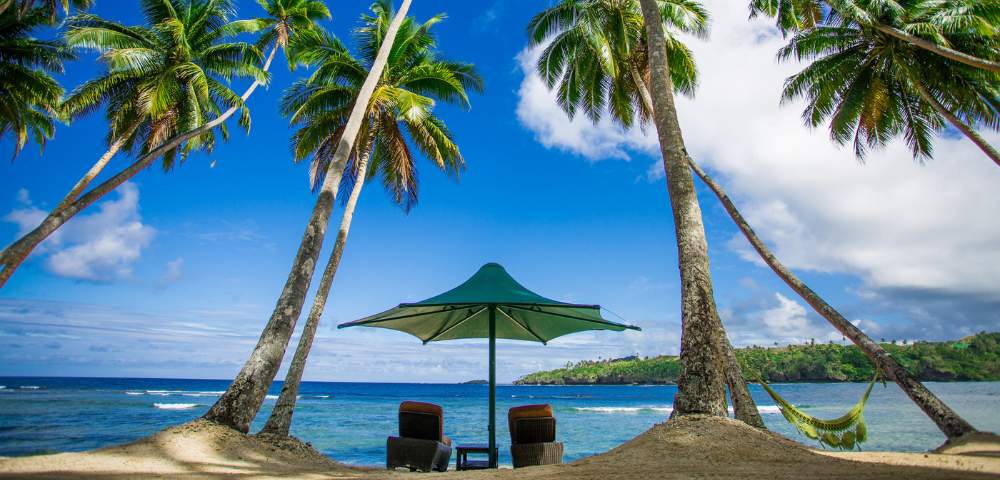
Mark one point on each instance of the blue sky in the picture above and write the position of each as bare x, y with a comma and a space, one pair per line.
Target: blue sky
175, 274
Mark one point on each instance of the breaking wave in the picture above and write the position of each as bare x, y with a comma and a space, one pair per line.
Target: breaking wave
175, 406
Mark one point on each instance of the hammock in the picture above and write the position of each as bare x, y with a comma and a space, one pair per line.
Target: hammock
847, 432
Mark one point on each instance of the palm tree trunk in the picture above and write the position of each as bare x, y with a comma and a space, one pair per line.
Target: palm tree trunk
957, 122
946, 419
97, 168
744, 406
280, 421
701, 383
15, 254
938, 49
237, 407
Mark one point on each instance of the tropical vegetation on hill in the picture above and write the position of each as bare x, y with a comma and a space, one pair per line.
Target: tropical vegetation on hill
974, 358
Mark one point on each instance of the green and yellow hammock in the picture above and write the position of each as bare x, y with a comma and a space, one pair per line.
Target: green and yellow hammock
846, 432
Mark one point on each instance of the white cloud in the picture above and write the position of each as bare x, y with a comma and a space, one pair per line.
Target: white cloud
777, 318
893, 223
98, 246
788, 318
173, 273
538, 111
27, 216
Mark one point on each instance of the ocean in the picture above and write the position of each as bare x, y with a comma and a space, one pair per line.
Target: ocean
350, 421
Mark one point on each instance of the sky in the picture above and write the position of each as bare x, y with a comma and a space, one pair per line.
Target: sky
175, 273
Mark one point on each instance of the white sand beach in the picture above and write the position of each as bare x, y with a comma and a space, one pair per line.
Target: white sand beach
689, 447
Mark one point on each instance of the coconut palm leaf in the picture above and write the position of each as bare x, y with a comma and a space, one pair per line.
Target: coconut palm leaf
31, 96
870, 87
595, 55
170, 75
400, 119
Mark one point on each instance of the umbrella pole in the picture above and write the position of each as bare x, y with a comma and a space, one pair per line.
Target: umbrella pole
493, 386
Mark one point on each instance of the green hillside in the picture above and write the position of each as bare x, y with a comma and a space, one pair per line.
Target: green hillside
975, 358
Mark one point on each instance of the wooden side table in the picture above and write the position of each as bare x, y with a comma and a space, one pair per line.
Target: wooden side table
462, 452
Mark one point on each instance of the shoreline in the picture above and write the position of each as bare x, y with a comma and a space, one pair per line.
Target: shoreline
690, 446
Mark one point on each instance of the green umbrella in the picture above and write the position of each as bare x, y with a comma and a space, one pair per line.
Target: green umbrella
490, 305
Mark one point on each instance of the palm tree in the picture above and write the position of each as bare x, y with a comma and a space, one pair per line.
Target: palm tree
790, 15
946, 419
20, 8
873, 87
599, 59
284, 19
701, 382
237, 407
31, 97
964, 31
403, 101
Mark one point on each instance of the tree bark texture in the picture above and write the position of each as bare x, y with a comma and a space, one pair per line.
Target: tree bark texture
239, 405
701, 383
280, 421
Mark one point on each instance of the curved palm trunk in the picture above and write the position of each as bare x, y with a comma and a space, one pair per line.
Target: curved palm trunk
938, 49
957, 122
701, 383
744, 407
15, 254
97, 168
950, 423
237, 407
280, 421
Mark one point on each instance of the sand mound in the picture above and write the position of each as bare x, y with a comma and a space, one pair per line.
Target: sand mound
983, 444
199, 449
689, 447
697, 446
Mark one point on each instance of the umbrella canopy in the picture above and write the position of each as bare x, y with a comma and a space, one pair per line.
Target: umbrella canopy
463, 312
490, 304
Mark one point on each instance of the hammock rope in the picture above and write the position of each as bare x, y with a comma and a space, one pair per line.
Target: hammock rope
846, 432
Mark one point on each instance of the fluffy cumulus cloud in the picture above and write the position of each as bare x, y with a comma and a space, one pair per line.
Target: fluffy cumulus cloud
98, 246
538, 111
922, 239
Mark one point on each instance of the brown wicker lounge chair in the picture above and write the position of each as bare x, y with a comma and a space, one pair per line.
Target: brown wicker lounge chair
421, 444
533, 436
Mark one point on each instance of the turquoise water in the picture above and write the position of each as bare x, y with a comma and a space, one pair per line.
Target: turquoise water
350, 421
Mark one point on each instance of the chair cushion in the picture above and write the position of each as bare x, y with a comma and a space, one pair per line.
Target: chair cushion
421, 407
526, 412
530, 411
421, 420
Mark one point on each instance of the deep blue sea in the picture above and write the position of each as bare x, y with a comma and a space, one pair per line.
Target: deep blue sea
350, 421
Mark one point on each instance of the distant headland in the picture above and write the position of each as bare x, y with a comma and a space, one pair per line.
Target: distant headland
974, 358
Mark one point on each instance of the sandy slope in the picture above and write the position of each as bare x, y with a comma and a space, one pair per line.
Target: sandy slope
691, 447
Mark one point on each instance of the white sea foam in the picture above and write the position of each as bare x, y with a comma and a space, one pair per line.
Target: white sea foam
2, 387
765, 409
175, 406
202, 394
627, 410
322, 396
163, 393
29, 387
134, 393
185, 393
271, 397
